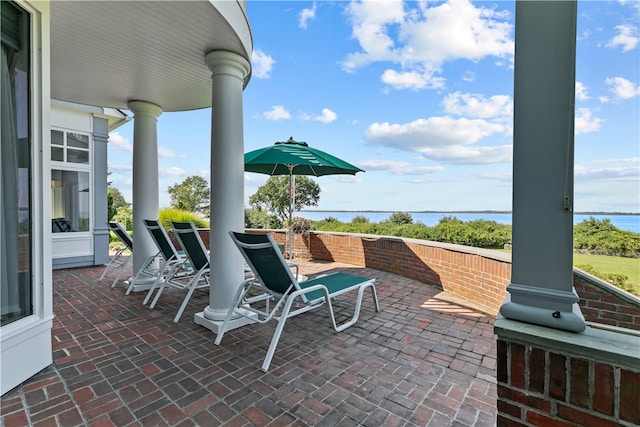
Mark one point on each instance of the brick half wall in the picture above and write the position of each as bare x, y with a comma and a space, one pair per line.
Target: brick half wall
557, 378
478, 275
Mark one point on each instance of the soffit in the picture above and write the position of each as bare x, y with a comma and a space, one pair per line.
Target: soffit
106, 53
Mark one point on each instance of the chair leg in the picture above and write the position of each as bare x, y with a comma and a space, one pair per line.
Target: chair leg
163, 284
192, 287
113, 259
237, 300
121, 270
152, 289
276, 334
356, 313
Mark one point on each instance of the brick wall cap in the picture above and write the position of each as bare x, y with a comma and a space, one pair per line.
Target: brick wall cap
486, 253
620, 349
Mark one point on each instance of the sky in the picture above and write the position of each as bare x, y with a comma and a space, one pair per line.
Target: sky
420, 96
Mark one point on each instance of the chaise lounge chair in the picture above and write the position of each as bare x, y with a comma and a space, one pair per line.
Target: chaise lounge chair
118, 260
198, 258
274, 281
171, 263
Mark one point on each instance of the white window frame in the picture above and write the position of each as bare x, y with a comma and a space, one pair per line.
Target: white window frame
76, 167
25, 345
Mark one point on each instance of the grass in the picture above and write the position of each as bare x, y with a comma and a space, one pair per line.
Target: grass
629, 267
603, 264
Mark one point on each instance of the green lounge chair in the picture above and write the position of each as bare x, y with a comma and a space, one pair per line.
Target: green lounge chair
198, 258
118, 260
172, 265
274, 280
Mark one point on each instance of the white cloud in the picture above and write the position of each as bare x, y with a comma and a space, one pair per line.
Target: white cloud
431, 132
443, 139
118, 141
172, 171
327, 116
121, 168
470, 154
307, 15
370, 21
622, 88
477, 106
627, 38
411, 80
398, 168
422, 38
165, 153
585, 122
261, 64
609, 170
277, 112
581, 92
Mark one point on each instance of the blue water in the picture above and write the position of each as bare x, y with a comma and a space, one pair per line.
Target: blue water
623, 222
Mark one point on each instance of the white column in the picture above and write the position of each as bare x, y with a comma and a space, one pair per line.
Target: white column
228, 72
145, 178
541, 289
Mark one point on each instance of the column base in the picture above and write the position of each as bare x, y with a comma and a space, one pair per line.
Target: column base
216, 325
140, 285
572, 321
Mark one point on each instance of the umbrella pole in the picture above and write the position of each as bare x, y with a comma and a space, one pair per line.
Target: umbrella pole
292, 195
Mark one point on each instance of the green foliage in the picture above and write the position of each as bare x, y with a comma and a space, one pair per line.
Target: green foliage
179, 215
478, 233
273, 196
603, 238
124, 215
192, 194
115, 201
619, 280
257, 218
360, 219
399, 218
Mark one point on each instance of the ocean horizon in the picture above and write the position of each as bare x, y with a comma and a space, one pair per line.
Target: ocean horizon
622, 220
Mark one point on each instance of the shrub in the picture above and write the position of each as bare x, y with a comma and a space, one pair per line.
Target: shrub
178, 215
619, 280
400, 218
360, 219
601, 237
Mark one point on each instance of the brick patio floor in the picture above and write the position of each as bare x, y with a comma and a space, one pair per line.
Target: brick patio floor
422, 361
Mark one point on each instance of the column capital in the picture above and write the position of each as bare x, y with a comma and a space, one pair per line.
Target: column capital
226, 62
144, 107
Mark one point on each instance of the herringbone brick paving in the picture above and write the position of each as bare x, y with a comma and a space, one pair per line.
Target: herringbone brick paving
422, 361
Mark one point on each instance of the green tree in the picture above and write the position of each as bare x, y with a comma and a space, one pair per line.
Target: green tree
400, 218
360, 219
124, 216
273, 196
115, 201
255, 218
192, 194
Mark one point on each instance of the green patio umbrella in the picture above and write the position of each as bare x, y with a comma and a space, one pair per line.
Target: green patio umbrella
295, 158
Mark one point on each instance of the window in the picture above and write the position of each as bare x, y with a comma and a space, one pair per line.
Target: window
70, 182
69, 147
70, 201
16, 170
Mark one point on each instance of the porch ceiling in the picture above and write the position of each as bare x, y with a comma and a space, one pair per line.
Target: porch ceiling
107, 53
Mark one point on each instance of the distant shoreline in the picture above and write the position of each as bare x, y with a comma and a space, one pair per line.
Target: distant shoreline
462, 212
